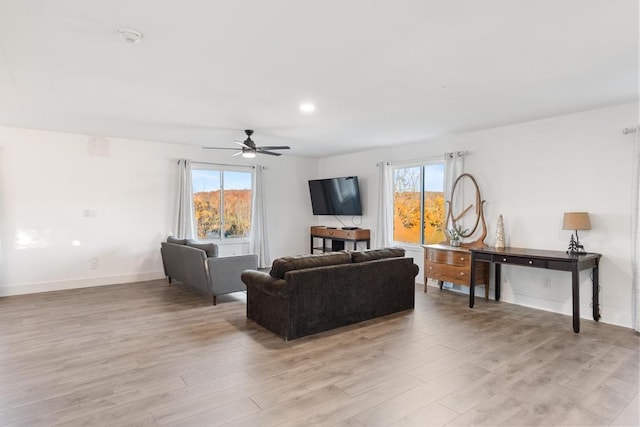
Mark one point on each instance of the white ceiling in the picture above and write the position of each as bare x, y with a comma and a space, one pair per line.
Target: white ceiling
380, 72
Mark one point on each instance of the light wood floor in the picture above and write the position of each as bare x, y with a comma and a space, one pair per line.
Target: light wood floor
155, 354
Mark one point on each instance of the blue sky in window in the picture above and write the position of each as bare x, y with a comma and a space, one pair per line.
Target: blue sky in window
434, 177
209, 180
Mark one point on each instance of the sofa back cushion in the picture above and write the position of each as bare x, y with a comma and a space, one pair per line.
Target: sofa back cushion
176, 241
211, 249
282, 265
374, 254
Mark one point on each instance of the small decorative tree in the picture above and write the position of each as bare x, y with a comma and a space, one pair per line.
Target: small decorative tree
573, 246
500, 233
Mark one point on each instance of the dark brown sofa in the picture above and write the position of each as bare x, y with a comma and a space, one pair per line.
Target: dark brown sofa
307, 294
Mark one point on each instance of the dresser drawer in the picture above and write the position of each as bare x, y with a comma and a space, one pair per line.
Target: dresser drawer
447, 273
459, 275
448, 257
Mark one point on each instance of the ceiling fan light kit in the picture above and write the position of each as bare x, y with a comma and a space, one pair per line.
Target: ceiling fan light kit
248, 148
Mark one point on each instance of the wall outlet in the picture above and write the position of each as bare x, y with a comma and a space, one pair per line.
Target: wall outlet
546, 282
93, 263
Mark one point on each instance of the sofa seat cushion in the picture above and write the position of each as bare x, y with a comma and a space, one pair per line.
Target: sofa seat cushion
211, 249
374, 254
283, 265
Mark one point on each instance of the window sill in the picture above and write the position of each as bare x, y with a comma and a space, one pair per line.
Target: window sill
226, 241
413, 247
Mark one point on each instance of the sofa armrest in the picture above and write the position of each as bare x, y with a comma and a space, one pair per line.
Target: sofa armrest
224, 272
263, 282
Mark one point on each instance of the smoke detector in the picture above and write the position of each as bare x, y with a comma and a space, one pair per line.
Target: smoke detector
129, 35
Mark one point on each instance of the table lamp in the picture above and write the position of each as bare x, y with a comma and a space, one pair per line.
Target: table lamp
576, 221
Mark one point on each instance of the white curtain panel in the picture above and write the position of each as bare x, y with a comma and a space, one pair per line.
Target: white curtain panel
258, 242
384, 234
185, 221
635, 229
453, 168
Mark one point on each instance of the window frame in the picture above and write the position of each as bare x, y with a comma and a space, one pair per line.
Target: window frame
221, 169
422, 164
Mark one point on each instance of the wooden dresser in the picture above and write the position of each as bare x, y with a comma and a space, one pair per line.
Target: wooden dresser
453, 264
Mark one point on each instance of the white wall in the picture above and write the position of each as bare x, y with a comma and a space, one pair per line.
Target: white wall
51, 181
532, 173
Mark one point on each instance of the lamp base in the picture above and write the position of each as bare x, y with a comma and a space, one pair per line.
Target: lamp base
575, 248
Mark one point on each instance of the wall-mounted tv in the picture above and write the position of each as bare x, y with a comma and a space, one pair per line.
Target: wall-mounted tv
335, 196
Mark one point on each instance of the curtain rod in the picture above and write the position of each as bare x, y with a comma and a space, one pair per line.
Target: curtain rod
423, 160
228, 165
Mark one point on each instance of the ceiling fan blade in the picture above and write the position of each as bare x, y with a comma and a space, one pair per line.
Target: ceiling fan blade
274, 147
237, 154
218, 148
241, 143
271, 153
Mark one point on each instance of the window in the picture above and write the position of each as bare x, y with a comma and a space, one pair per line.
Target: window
418, 203
217, 191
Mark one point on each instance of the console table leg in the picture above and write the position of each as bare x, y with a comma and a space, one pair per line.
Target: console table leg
596, 293
497, 282
472, 280
575, 292
441, 283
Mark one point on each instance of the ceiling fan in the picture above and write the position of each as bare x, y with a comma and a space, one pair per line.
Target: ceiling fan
248, 148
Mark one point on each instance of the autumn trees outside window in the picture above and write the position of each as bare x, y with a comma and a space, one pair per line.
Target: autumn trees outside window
222, 201
418, 204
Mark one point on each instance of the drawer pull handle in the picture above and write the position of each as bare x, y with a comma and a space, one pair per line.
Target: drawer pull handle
504, 260
462, 273
530, 262
461, 258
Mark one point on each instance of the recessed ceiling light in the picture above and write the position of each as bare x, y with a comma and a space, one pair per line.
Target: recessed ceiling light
307, 107
129, 35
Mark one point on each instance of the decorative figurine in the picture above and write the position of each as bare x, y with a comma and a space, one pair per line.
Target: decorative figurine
575, 248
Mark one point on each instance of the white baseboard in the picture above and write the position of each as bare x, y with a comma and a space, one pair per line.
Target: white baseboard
59, 285
608, 316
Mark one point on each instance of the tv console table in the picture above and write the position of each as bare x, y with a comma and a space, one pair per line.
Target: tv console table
338, 237
551, 260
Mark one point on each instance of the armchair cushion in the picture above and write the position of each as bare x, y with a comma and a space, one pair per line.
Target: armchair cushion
211, 249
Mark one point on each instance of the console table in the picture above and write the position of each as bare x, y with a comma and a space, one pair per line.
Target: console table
551, 260
338, 237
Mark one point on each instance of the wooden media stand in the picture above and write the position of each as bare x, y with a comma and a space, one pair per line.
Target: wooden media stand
338, 237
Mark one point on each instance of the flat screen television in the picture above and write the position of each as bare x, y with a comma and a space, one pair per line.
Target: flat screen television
335, 196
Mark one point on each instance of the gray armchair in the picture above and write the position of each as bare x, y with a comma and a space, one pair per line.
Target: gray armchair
198, 265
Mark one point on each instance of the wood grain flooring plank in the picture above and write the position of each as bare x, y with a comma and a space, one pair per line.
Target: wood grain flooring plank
432, 415
399, 407
345, 410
